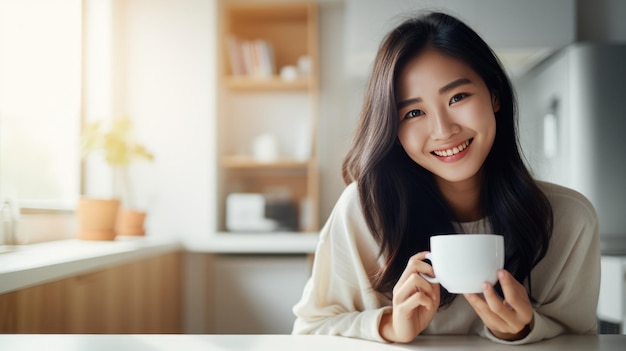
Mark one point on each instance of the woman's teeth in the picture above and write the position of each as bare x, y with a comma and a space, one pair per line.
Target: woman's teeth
455, 150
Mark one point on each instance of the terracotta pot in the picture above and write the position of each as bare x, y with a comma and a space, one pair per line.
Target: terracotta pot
96, 218
130, 222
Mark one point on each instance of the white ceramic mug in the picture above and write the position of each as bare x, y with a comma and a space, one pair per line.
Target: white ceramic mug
463, 262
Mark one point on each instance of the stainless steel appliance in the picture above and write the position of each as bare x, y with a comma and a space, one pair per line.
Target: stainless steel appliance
573, 128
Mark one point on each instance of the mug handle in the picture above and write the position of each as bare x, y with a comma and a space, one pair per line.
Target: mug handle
428, 278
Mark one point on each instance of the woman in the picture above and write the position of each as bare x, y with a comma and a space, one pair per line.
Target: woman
436, 151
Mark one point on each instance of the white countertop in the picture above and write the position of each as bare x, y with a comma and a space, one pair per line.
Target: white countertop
256, 243
22, 266
190, 342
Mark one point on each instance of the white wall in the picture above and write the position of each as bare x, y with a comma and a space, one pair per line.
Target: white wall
340, 99
168, 65
504, 24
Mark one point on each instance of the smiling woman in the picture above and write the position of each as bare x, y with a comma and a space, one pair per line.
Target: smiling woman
436, 152
40, 102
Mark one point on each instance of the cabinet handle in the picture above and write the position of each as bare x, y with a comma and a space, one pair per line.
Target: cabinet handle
550, 135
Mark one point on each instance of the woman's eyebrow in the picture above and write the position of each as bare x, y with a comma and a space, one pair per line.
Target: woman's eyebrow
454, 84
442, 90
407, 102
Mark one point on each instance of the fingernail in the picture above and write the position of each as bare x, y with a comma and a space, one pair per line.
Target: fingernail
501, 274
485, 286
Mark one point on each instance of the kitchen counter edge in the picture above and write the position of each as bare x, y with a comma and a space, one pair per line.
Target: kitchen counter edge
23, 266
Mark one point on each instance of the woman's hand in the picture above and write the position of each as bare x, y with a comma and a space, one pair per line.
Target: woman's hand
415, 302
508, 319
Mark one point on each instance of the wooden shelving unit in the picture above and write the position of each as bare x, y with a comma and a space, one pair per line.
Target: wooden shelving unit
243, 162
273, 83
287, 109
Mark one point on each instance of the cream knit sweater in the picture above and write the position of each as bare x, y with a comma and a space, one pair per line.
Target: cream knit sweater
339, 299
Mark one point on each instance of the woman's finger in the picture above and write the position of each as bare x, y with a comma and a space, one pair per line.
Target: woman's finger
515, 296
496, 304
500, 315
420, 298
413, 284
483, 310
416, 264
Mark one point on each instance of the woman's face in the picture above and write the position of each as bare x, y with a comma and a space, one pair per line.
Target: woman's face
447, 121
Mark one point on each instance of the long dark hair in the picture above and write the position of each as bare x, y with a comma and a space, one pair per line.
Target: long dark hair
401, 202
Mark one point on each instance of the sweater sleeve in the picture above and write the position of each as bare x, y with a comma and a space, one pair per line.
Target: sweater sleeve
338, 298
566, 283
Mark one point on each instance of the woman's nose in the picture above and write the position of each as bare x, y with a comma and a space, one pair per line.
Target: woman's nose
443, 126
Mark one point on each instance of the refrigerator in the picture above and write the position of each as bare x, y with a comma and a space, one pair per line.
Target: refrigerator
572, 123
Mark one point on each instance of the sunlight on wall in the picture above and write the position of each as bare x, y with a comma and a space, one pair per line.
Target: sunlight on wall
98, 87
40, 73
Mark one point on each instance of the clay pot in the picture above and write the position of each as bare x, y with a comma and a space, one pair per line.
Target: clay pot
96, 218
130, 222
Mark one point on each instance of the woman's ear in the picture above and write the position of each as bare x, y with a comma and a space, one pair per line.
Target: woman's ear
495, 102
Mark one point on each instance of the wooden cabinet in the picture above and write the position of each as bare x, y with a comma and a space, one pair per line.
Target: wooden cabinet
267, 107
139, 297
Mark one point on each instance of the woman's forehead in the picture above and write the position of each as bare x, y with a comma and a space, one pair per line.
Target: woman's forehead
433, 70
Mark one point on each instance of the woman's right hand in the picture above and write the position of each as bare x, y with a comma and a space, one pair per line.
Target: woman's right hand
415, 302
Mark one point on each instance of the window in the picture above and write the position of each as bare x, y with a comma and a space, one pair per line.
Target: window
40, 102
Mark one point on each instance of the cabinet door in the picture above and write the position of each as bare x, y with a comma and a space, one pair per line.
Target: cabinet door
254, 294
88, 299
34, 310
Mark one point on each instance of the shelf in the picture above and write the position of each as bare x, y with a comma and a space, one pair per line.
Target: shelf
258, 12
244, 162
275, 83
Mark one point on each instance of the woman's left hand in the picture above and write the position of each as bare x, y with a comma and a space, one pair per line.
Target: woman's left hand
508, 319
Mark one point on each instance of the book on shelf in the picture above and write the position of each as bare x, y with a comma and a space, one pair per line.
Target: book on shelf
251, 58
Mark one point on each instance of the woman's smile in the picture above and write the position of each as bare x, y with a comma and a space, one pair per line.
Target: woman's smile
457, 150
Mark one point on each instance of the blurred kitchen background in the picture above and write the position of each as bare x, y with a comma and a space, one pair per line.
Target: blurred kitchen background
167, 65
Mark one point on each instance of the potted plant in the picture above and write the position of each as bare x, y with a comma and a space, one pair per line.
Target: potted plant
103, 219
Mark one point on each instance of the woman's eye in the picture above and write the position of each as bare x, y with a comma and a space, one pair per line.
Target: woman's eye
414, 113
458, 97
